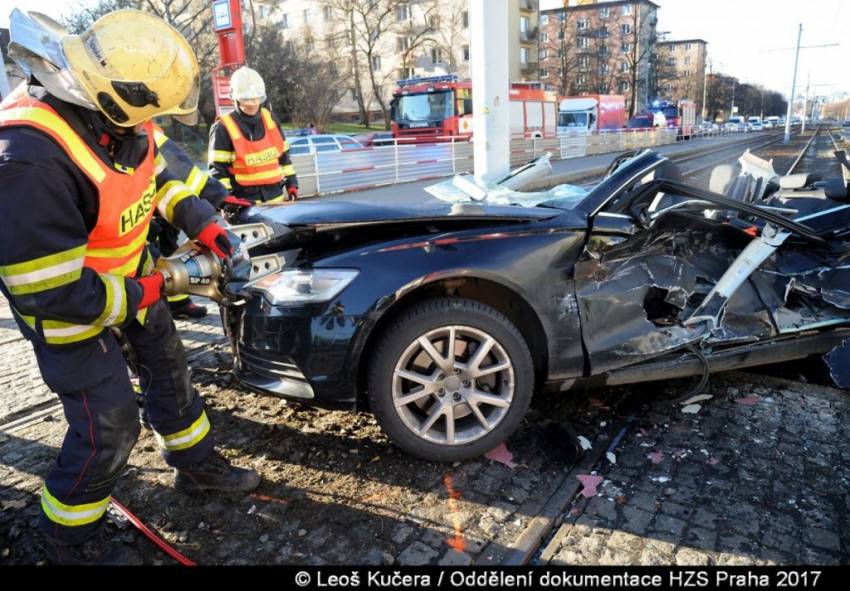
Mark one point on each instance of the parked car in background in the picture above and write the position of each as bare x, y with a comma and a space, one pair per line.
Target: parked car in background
641, 121
375, 139
315, 144
755, 126
767, 124
709, 128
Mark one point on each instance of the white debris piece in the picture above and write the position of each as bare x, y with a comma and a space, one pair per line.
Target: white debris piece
611, 457
691, 409
584, 442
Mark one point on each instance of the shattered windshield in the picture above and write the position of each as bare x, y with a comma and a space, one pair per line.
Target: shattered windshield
425, 107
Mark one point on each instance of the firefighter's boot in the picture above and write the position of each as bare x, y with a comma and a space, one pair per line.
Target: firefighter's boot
215, 473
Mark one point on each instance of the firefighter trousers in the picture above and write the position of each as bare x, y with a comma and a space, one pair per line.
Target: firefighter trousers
99, 403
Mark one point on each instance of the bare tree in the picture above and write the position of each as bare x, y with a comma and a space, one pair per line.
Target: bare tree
451, 34
564, 46
347, 37
638, 31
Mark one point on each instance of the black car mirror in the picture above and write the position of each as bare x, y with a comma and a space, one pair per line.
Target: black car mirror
614, 224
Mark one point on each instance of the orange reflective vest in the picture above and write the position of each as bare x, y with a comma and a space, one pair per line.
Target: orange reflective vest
126, 201
256, 162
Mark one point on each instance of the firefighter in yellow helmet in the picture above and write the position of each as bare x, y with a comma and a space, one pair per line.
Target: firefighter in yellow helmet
248, 152
81, 177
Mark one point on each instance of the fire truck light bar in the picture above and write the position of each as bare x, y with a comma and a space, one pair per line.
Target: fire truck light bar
426, 79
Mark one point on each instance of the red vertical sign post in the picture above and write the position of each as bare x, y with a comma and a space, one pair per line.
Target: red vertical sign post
227, 23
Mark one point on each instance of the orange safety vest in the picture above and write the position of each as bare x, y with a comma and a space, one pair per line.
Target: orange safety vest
126, 201
256, 162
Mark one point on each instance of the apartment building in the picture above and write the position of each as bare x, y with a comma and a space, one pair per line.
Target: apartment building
397, 39
680, 73
599, 47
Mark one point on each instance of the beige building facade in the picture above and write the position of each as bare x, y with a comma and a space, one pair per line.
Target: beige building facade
681, 70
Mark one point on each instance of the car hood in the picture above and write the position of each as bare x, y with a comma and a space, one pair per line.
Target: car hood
338, 213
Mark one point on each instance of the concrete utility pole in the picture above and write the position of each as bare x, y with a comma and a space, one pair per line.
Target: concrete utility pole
4, 81
705, 89
793, 87
491, 130
806, 102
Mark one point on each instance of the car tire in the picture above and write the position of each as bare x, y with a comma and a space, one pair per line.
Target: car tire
470, 324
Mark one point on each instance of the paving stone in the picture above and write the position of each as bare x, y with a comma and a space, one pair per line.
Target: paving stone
416, 554
635, 520
455, 558
603, 508
690, 557
823, 539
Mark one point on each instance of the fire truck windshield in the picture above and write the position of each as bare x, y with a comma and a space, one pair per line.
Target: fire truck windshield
573, 120
425, 107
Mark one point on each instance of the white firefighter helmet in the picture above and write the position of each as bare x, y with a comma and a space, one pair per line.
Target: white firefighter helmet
130, 65
247, 84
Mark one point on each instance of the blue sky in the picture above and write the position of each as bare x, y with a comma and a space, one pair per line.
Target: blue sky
742, 34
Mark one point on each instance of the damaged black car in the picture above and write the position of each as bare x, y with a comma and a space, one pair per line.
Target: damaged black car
443, 318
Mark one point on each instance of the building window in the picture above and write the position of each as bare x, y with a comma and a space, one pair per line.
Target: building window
523, 24
602, 32
376, 62
307, 15
687, 60
624, 86
604, 68
581, 79
329, 13
402, 12
627, 9
465, 19
603, 50
562, 17
626, 48
402, 43
583, 62
687, 73
290, 46
330, 42
543, 72
603, 12
626, 28
561, 36
284, 21
404, 73
624, 67
688, 46
582, 24
523, 55
544, 54
466, 53
544, 37
544, 19
583, 42
436, 55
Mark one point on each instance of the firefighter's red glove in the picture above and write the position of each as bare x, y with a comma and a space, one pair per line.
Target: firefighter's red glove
231, 200
215, 238
292, 192
151, 289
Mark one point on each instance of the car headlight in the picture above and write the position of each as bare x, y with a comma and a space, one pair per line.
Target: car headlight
304, 285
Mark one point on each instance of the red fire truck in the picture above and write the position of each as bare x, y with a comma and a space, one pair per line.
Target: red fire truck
439, 108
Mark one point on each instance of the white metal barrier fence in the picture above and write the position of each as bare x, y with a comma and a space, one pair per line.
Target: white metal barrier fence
334, 172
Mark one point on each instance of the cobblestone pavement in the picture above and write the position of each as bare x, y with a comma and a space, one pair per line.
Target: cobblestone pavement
759, 475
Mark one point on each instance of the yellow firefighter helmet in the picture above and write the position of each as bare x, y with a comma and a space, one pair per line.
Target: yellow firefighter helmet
134, 66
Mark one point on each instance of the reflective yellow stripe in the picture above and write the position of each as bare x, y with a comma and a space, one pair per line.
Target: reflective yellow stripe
160, 164
258, 176
159, 137
280, 199
226, 183
231, 127
196, 180
129, 267
72, 515
267, 119
168, 196
178, 298
55, 123
28, 320
43, 273
288, 170
222, 156
118, 251
115, 311
186, 438
63, 333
